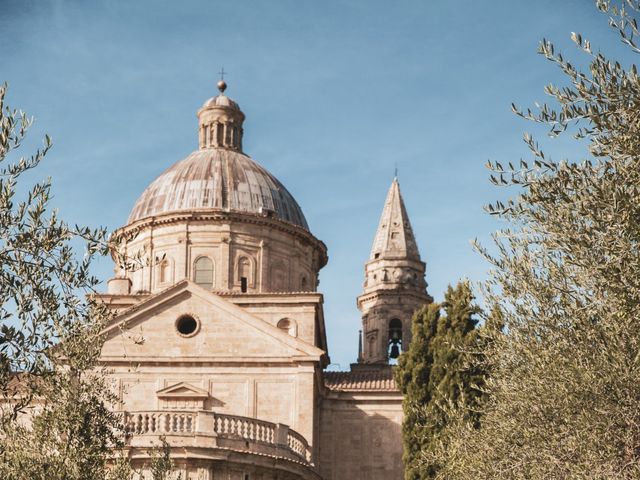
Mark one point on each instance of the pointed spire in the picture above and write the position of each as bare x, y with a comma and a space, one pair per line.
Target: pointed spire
394, 284
394, 237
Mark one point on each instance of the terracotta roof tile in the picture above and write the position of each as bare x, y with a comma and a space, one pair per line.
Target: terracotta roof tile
361, 379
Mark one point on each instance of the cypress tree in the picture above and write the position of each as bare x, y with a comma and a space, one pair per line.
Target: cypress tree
412, 376
433, 374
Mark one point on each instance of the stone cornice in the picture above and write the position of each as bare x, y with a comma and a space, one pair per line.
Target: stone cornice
209, 215
209, 361
398, 262
422, 296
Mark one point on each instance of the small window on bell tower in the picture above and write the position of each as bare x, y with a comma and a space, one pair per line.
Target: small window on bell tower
243, 284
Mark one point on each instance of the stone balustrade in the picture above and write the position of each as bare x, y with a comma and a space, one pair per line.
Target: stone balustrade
298, 444
228, 431
160, 422
246, 428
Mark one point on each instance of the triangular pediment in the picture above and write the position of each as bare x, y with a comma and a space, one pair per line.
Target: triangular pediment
225, 332
182, 390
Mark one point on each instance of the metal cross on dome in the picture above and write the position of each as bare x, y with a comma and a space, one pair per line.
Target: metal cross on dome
222, 72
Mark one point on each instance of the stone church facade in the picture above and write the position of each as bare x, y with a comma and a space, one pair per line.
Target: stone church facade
219, 343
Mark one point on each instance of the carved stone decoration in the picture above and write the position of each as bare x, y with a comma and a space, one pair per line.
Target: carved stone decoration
182, 396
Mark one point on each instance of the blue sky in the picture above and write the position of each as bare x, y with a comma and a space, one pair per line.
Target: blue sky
335, 93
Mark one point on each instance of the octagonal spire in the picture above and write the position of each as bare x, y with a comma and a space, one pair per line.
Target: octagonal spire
394, 237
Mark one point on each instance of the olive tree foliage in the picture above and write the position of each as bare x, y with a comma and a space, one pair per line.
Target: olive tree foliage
42, 283
57, 419
564, 393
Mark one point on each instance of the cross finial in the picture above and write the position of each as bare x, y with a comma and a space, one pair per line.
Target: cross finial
395, 172
221, 73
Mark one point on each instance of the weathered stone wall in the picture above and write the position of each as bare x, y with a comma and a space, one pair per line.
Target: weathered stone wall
272, 259
361, 436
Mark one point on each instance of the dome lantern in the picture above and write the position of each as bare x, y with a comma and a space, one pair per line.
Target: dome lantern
219, 176
220, 122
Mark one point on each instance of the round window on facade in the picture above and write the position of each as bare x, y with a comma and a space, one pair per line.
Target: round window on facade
187, 325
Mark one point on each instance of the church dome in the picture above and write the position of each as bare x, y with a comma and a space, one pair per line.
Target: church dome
219, 179
219, 176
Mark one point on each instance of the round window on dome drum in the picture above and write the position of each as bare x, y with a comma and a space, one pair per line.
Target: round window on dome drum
187, 325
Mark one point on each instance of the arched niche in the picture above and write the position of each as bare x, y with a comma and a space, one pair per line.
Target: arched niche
164, 272
245, 268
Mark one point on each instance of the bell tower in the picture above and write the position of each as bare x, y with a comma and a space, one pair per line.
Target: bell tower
394, 284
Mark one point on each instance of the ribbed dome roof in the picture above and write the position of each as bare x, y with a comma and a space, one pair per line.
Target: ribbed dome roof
218, 179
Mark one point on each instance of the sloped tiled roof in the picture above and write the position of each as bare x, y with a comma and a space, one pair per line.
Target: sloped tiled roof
361, 380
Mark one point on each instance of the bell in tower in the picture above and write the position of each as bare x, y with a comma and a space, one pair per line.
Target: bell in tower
395, 338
